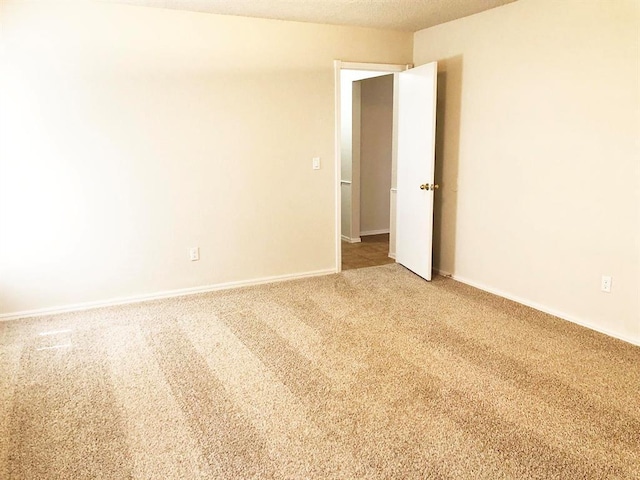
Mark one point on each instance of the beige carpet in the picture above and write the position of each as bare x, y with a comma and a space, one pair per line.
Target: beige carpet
371, 373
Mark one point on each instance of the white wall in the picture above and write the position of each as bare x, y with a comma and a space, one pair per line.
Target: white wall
539, 157
349, 231
376, 127
130, 134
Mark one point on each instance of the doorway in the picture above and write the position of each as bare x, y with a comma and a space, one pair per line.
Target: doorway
366, 242
411, 195
365, 149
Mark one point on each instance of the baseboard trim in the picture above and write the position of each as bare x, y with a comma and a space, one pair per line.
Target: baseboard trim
442, 273
160, 295
374, 232
351, 240
538, 306
392, 255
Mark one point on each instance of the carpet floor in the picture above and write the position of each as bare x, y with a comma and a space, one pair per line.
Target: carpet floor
369, 373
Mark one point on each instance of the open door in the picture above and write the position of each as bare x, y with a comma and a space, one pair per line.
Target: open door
415, 170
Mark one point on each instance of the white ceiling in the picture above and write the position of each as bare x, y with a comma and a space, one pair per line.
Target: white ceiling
409, 15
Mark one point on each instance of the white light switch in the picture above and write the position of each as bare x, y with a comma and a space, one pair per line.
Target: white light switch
316, 163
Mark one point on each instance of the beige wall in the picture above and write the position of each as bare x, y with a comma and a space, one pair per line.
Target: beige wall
376, 127
538, 155
131, 134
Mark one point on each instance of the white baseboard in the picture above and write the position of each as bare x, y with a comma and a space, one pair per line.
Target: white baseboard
540, 307
160, 295
444, 274
351, 240
392, 255
374, 232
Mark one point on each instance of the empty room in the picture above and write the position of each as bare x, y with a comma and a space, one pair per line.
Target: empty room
184, 285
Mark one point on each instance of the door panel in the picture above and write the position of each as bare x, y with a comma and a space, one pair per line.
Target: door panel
416, 161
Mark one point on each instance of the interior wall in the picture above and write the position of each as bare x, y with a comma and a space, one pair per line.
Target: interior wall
355, 161
538, 128
376, 127
394, 169
346, 151
131, 134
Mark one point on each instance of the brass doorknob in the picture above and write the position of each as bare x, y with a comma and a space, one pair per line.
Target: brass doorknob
424, 186
435, 186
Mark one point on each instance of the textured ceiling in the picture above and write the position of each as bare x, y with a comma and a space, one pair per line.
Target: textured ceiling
409, 15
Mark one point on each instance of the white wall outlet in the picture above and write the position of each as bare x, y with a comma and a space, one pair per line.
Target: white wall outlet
605, 284
194, 254
316, 163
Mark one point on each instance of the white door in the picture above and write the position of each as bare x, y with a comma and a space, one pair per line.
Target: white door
416, 159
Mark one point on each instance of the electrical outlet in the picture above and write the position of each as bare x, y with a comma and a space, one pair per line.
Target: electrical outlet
194, 254
316, 163
605, 284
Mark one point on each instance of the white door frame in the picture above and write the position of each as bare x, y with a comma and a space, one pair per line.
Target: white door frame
339, 65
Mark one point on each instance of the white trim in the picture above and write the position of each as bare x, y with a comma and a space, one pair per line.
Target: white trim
374, 67
374, 232
442, 273
160, 295
394, 191
540, 307
351, 239
337, 167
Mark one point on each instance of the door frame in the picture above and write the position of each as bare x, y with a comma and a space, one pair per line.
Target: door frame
338, 66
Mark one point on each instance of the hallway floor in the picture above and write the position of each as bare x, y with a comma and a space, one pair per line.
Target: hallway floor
371, 252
